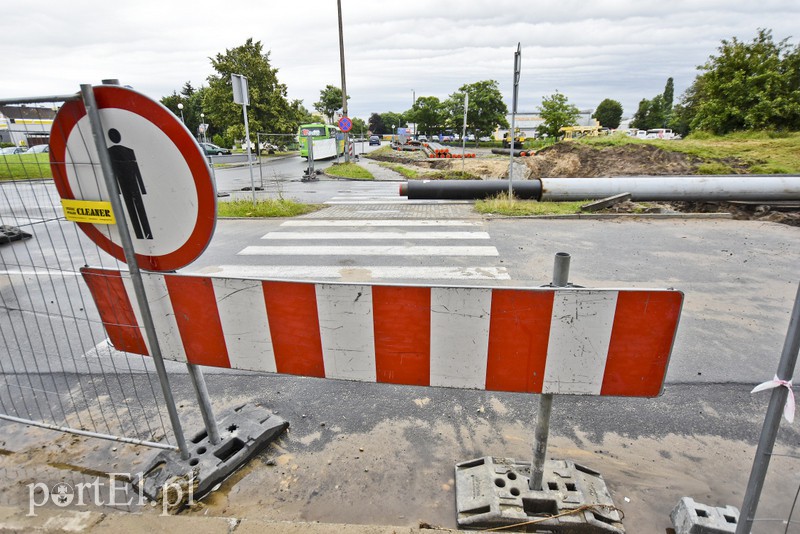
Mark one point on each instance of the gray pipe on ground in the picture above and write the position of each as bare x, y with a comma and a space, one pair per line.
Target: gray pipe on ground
641, 188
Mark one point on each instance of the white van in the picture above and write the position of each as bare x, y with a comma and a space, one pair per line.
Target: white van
661, 133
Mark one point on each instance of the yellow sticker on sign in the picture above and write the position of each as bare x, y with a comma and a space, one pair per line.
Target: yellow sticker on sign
88, 211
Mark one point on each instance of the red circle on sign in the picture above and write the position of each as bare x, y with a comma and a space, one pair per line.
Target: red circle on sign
345, 124
115, 97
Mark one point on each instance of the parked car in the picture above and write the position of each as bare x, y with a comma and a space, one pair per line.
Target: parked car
211, 149
374, 140
422, 138
12, 150
38, 149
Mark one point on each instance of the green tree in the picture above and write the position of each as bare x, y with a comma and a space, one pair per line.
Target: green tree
192, 100
391, 119
269, 110
330, 101
486, 111
668, 99
650, 114
608, 113
376, 125
359, 126
747, 86
655, 113
428, 114
557, 113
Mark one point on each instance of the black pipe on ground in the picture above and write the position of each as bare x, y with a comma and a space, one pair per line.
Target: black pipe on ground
469, 189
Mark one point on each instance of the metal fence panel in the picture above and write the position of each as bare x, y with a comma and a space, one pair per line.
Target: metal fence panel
57, 369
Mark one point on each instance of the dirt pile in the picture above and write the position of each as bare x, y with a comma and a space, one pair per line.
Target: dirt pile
576, 160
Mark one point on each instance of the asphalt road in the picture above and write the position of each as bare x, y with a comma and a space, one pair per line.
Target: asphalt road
281, 174
391, 449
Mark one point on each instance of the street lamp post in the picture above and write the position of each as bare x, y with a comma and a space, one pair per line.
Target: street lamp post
180, 107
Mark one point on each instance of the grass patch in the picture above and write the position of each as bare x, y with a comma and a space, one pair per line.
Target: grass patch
618, 139
279, 153
714, 167
352, 171
25, 166
265, 208
384, 150
760, 152
411, 174
450, 175
502, 204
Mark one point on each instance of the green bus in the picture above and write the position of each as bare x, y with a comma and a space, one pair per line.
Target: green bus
320, 132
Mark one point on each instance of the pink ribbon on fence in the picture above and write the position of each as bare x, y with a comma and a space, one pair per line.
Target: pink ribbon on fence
788, 409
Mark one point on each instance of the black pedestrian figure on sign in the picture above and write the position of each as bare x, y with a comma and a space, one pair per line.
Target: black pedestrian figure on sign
130, 184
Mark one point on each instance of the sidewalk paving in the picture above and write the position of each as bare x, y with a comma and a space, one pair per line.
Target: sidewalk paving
381, 174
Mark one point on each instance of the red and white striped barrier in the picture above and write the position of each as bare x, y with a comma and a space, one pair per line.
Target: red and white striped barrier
541, 340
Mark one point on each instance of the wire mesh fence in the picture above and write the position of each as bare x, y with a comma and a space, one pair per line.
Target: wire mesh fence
57, 369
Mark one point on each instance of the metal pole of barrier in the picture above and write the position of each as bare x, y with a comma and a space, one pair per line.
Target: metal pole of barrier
560, 279
310, 152
99, 135
772, 422
204, 401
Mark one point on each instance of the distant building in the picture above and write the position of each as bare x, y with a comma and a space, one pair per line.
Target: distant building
524, 123
26, 125
527, 122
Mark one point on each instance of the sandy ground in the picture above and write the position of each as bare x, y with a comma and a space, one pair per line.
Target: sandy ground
331, 467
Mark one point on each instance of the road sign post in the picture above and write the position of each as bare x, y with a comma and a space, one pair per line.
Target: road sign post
241, 96
511, 133
464, 133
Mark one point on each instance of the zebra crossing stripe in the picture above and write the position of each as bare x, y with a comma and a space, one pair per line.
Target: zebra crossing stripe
538, 340
369, 250
376, 222
375, 235
357, 272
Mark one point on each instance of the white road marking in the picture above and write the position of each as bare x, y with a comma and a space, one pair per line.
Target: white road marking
357, 273
369, 250
378, 222
375, 235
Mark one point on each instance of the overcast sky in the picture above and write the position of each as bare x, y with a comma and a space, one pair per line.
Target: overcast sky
588, 50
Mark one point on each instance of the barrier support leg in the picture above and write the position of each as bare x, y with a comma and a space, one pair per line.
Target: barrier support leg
498, 493
204, 402
560, 279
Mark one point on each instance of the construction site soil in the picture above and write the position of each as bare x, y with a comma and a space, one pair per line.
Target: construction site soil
576, 160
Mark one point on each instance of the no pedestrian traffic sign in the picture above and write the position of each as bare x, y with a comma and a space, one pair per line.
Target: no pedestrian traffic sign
345, 124
167, 192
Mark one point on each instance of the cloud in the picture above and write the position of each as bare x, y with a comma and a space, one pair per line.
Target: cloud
621, 49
